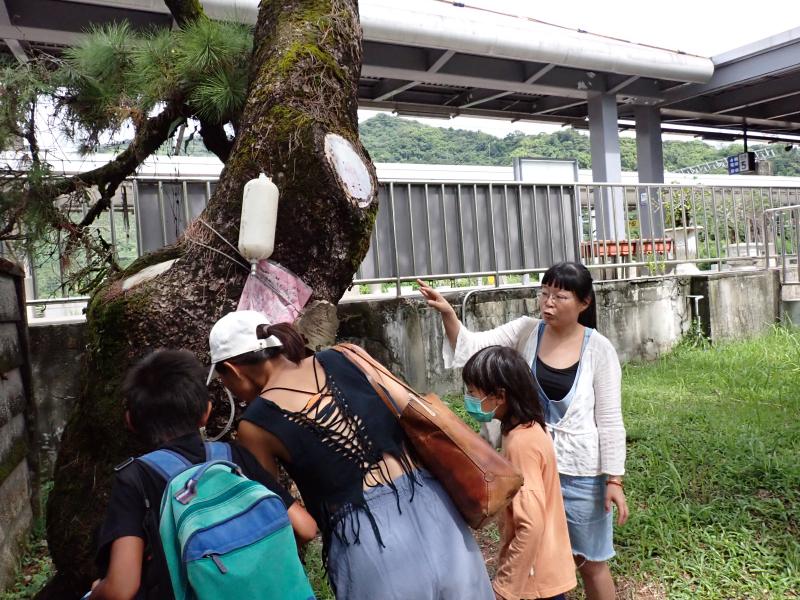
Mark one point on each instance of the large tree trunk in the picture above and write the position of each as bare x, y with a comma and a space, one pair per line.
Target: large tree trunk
306, 63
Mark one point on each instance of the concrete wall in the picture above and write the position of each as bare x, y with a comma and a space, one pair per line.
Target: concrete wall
643, 318
790, 303
56, 355
15, 480
738, 304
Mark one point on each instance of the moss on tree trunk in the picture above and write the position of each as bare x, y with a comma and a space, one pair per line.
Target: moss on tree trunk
305, 68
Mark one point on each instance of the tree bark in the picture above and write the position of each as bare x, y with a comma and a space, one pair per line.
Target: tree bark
299, 122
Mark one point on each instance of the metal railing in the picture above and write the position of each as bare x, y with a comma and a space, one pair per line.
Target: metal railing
782, 226
617, 230
668, 225
456, 230
504, 232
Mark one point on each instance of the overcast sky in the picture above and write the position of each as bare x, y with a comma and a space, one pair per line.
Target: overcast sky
701, 27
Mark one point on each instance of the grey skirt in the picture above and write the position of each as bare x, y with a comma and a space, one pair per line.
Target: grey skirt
428, 550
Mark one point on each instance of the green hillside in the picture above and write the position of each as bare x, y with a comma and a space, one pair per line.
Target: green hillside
393, 139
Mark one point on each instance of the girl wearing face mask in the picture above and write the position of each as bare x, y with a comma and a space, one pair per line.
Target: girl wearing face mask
535, 559
578, 384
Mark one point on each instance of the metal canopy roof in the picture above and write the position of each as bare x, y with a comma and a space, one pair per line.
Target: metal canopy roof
756, 87
437, 58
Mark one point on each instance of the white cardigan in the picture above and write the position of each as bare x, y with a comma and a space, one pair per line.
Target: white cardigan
590, 438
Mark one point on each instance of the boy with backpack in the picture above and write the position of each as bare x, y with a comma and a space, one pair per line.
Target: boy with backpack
222, 529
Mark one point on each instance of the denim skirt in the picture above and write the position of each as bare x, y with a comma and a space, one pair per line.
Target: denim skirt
591, 528
428, 553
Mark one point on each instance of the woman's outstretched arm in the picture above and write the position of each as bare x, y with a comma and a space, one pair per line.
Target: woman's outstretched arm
463, 343
435, 300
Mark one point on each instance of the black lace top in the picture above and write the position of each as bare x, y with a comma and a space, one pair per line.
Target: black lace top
336, 445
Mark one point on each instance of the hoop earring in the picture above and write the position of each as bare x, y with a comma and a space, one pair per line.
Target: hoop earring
227, 427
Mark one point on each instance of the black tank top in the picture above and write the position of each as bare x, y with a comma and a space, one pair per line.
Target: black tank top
336, 444
556, 383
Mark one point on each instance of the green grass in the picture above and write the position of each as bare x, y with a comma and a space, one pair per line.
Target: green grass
456, 404
34, 571
35, 567
315, 571
713, 473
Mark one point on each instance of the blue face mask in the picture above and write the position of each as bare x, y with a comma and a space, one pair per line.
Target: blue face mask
474, 409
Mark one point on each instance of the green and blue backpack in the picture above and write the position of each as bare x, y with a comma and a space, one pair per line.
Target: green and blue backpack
223, 535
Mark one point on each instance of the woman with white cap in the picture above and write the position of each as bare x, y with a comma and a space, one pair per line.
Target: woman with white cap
389, 529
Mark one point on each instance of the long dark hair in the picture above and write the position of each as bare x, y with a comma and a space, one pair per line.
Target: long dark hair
293, 348
499, 368
574, 277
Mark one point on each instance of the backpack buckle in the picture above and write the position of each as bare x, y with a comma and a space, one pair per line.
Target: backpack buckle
123, 464
188, 493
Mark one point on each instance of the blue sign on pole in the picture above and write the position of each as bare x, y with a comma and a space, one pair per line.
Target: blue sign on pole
742, 163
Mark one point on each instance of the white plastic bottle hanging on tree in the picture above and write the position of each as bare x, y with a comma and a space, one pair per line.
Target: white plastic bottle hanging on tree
259, 218
271, 288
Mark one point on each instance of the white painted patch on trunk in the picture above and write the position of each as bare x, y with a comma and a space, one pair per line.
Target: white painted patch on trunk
147, 274
350, 168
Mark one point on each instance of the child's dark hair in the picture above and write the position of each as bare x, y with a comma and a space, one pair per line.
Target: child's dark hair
499, 368
293, 348
574, 277
165, 395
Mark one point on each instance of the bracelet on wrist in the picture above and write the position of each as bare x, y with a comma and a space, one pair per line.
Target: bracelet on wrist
615, 482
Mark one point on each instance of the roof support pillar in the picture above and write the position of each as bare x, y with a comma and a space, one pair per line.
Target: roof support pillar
650, 165
606, 166
649, 153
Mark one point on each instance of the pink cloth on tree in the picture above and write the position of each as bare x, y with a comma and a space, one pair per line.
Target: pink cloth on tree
274, 291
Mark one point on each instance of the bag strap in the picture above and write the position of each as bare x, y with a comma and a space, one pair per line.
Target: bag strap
362, 354
169, 463
166, 463
218, 451
351, 350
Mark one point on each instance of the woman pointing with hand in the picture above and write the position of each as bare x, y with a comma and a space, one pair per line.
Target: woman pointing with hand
578, 380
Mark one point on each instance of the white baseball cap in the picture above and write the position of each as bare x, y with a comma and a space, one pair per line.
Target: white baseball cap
236, 334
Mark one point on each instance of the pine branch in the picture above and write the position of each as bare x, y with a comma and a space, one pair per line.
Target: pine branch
216, 140
30, 134
213, 134
150, 134
149, 137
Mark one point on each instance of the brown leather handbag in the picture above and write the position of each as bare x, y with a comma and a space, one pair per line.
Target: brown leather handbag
478, 479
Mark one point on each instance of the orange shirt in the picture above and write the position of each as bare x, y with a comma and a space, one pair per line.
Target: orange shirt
535, 555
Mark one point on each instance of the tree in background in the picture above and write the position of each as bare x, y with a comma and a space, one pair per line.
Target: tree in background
279, 98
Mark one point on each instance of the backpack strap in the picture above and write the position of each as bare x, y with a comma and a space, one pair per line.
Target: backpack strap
166, 463
218, 451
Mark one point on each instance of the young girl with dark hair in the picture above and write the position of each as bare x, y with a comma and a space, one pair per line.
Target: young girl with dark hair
389, 530
578, 384
535, 559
